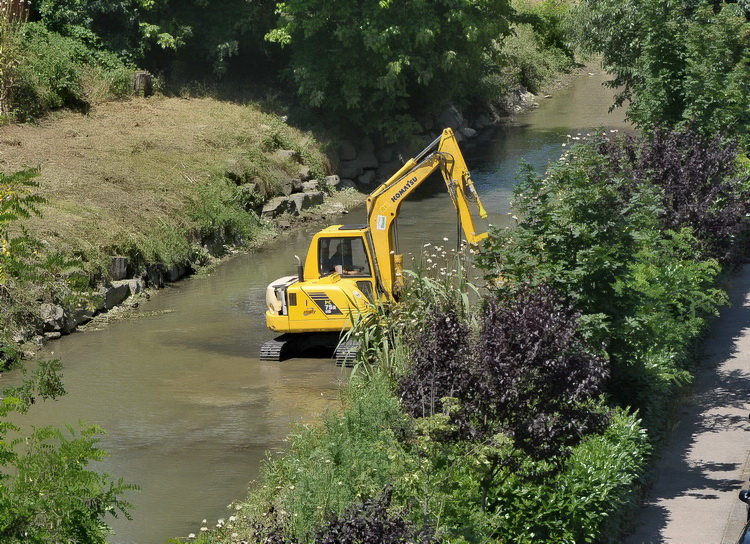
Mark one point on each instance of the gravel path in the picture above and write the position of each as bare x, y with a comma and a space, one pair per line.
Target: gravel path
705, 464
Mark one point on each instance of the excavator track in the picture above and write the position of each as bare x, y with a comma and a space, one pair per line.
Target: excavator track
346, 353
271, 350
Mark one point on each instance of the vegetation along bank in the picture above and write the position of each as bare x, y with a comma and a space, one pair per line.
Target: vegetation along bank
528, 415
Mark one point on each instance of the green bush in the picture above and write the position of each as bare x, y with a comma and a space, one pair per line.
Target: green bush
587, 501
676, 64
351, 457
59, 72
593, 230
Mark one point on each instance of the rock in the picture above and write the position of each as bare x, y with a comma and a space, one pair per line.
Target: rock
385, 154
368, 159
386, 170
468, 132
52, 316
428, 123
303, 201
350, 169
346, 184
177, 271
484, 120
214, 244
287, 187
82, 315
333, 182
155, 275
135, 285
114, 294
310, 186
347, 151
118, 268
276, 206
367, 178
452, 118
367, 145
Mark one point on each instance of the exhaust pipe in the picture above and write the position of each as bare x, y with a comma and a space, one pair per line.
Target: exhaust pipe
300, 269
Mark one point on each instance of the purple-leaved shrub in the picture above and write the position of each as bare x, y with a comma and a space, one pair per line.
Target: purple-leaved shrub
701, 182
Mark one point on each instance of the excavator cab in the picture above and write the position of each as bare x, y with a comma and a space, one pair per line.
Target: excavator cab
344, 255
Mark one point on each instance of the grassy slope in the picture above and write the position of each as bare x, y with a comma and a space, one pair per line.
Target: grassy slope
129, 167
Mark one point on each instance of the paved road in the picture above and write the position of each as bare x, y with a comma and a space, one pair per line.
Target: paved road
701, 470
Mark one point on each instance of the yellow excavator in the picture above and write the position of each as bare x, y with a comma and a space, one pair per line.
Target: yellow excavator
349, 268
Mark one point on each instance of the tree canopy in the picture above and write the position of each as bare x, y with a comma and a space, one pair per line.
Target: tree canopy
679, 63
381, 63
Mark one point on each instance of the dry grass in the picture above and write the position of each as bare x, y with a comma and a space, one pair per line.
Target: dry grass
134, 166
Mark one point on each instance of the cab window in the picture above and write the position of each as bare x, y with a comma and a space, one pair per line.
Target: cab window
348, 254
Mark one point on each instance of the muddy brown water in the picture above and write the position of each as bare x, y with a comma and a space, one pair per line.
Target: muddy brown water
190, 410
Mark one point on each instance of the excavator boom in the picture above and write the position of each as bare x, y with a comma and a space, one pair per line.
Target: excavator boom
384, 202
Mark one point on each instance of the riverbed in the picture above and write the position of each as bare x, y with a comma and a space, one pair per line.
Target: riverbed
189, 408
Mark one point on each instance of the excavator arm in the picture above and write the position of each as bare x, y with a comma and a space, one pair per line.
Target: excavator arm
384, 203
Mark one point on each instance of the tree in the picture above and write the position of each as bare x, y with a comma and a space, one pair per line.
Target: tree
380, 64
47, 493
677, 62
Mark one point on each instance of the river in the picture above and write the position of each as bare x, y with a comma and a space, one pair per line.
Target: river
189, 408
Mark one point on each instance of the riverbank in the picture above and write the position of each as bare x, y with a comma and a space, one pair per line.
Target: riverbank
142, 192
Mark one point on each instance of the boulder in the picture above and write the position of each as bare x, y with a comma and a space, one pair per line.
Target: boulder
310, 186
214, 244
303, 201
333, 182
176, 271
114, 295
276, 206
287, 187
347, 151
297, 185
304, 173
52, 316
118, 268
155, 275
352, 169
385, 154
367, 178
76, 317
367, 145
135, 285
387, 169
468, 132
453, 118
346, 184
